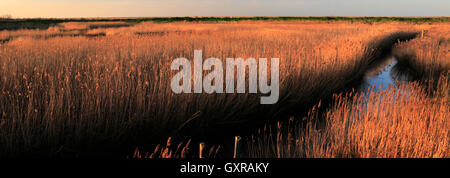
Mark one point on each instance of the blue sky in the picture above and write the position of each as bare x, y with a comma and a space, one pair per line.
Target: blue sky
141, 8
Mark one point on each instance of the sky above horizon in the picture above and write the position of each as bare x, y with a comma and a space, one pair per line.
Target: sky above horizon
164, 8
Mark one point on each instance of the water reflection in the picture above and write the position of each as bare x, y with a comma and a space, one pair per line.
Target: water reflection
390, 74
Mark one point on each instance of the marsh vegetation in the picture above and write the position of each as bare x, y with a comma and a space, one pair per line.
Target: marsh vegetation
67, 91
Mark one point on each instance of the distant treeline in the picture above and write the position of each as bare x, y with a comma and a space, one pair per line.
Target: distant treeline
44, 23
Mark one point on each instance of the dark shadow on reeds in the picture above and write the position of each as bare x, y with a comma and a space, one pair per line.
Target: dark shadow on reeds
426, 75
109, 25
161, 33
223, 132
13, 24
44, 24
2, 41
57, 35
141, 128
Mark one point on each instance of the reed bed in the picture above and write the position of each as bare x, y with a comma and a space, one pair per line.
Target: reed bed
429, 55
400, 122
81, 96
407, 121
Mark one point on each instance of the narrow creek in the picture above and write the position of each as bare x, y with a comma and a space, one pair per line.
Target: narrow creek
385, 75
384, 72
388, 73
